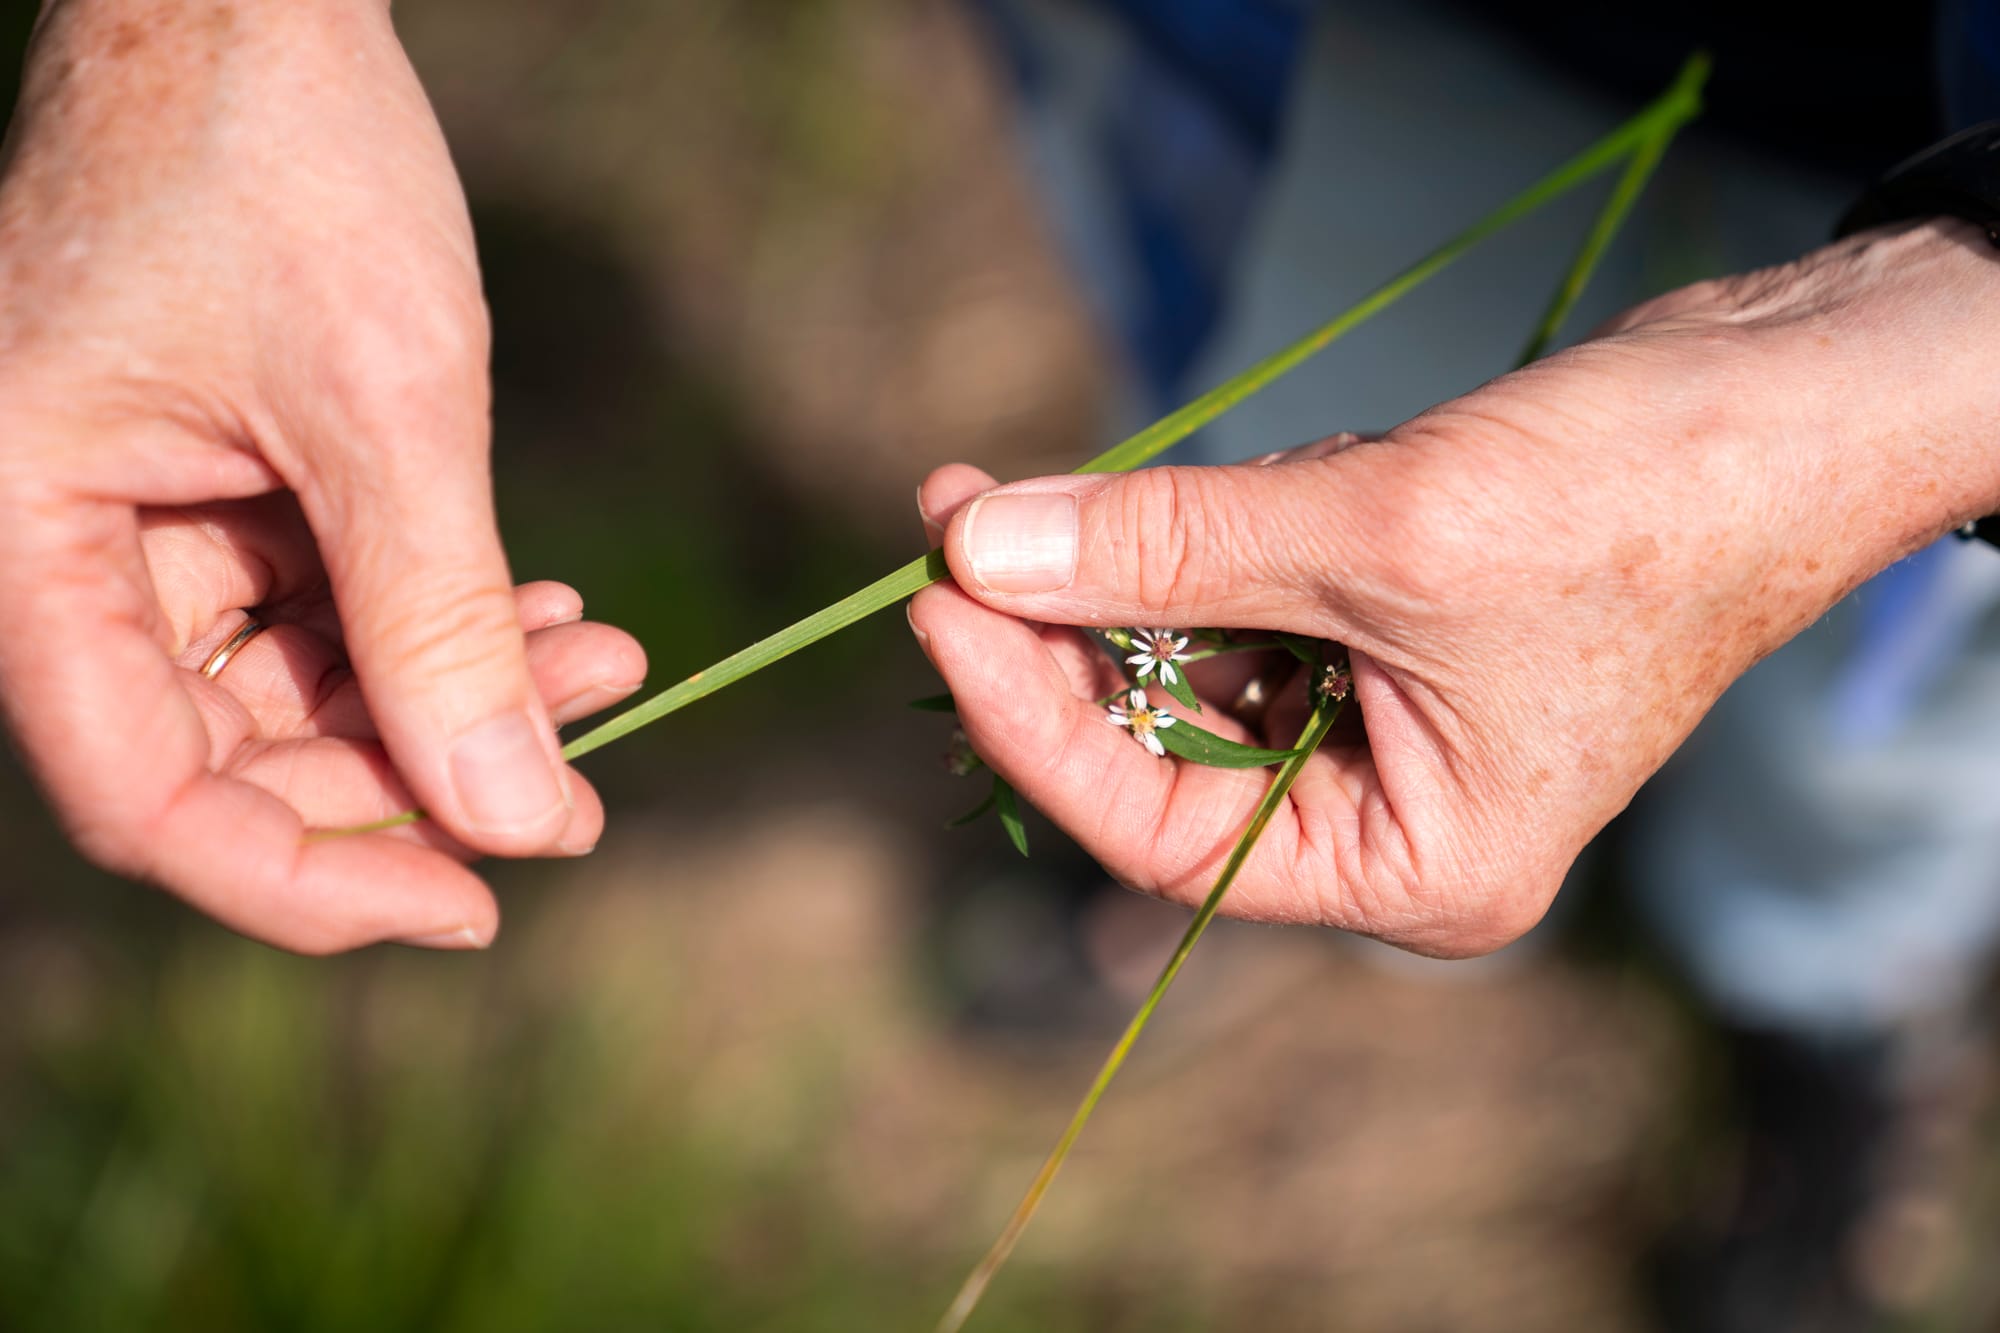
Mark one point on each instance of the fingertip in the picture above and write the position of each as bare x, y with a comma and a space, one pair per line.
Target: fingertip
620, 658
586, 825
464, 939
584, 668
945, 491
544, 603
992, 661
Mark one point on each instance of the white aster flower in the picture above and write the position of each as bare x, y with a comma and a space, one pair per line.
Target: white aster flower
1159, 649
1145, 723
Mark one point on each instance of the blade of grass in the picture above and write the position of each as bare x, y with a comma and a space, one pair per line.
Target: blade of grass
1672, 108
1684, 94
1316, 728
1631, 184
883, 592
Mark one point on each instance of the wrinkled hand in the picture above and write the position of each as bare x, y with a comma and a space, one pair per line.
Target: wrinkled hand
243, 363
1544, 585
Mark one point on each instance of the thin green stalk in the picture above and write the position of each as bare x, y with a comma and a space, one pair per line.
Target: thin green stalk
1224, 649
1631, 184
883, 592
1317, 726
1671, 110
1684, 97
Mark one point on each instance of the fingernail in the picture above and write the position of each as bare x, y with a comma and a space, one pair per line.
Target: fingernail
932, 528
1022, 543
465, 937
505, 779
923, 639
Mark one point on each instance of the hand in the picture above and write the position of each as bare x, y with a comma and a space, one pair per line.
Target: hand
235, 263
1543, 586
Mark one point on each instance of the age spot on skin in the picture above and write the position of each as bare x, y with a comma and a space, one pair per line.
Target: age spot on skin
1631, 553
125, 38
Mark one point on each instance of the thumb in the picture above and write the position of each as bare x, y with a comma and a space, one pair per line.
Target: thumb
1223, 546
426, 604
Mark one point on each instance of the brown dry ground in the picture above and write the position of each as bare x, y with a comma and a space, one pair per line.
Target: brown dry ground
1306, 1139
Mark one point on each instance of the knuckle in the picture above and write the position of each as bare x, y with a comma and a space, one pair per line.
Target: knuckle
442, 625
1427, 540
1166, 545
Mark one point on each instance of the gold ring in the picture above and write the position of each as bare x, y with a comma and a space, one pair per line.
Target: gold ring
248, 630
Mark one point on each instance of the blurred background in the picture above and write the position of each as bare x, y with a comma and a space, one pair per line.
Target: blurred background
783, 1053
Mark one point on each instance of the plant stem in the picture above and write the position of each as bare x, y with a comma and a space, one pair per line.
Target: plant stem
1664, 115
1317, 726
1660, 121
1203, 654
883, 592
1612, 216
1645, 132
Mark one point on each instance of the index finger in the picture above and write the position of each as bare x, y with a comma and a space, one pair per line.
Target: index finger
1161, 826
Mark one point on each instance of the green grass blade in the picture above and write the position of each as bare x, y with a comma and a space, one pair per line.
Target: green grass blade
1674, 108
967, 1300
1661, 121
883, 592
1631, 184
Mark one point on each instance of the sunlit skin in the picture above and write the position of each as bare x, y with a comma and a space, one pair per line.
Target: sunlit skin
1544, 585
243, 362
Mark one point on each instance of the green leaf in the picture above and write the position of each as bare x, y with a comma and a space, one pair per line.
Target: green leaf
1186, 741
935, 703
1010, 814
1301, 647
1182, 691
974, 813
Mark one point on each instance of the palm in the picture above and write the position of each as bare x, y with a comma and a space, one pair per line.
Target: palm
286, 713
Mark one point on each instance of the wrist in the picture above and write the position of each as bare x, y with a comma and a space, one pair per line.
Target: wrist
1894, 353
1857, 384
